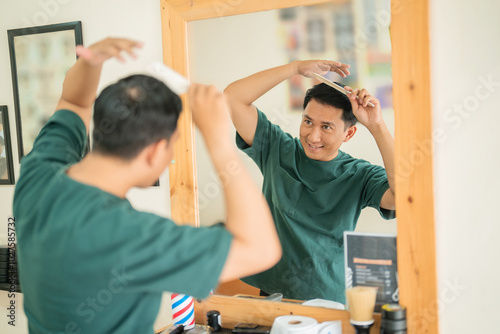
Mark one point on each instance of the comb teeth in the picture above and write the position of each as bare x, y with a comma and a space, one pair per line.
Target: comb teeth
176, 82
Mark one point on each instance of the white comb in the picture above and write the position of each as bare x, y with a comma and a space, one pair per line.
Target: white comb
176, 82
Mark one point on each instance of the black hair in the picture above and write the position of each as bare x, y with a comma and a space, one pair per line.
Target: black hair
326, 95
132, 114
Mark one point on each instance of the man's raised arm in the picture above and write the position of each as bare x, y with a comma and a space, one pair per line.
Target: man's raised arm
80, 83
242, 93
371, 118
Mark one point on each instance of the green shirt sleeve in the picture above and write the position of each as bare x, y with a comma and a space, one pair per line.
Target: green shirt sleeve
61, 140
60, 143
266, 135
376, 184
158, 255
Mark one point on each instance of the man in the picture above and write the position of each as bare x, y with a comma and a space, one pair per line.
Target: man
315, 191
90, 263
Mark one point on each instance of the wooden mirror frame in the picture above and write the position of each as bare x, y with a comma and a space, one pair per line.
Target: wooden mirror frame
413, 138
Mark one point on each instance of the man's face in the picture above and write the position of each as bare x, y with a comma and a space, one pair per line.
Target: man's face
322, 131
162, 159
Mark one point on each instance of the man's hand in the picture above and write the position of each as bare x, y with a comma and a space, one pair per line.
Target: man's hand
366, 115
80, 84
98, 53
307, 68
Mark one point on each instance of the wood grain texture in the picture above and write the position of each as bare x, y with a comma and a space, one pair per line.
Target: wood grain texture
236, 287
205, 9
253, 310
414, 167
182, 173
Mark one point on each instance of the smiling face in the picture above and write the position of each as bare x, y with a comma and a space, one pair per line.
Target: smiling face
322, 131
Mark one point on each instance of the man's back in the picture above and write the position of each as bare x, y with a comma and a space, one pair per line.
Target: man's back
87, 259
90, 263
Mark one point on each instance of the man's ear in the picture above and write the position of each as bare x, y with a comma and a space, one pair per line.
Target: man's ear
155, 152
350, 133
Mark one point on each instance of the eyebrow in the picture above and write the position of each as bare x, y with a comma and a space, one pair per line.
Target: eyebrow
324, 123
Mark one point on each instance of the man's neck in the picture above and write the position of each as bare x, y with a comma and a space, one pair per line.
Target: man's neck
109, 174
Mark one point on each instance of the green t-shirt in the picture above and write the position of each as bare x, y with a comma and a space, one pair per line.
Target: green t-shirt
312, 203
88, 261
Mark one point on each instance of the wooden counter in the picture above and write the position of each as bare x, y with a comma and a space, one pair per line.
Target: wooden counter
256, 310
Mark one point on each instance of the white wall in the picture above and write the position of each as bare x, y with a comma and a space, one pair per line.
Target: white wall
223, 50
465, 50
125, 18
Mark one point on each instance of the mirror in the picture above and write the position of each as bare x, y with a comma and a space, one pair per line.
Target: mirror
413, 133
223, 50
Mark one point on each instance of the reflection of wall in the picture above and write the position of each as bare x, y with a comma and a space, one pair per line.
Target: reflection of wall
220, 55
351, 31
224, 50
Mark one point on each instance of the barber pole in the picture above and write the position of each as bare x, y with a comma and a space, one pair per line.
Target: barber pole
183, 310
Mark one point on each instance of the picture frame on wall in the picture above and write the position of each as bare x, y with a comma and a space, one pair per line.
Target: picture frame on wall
6, 160
40, 58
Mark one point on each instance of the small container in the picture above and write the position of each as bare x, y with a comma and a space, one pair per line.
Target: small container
393, 319
213, 320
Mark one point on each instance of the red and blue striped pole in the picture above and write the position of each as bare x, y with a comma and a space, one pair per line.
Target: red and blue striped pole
183, 310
